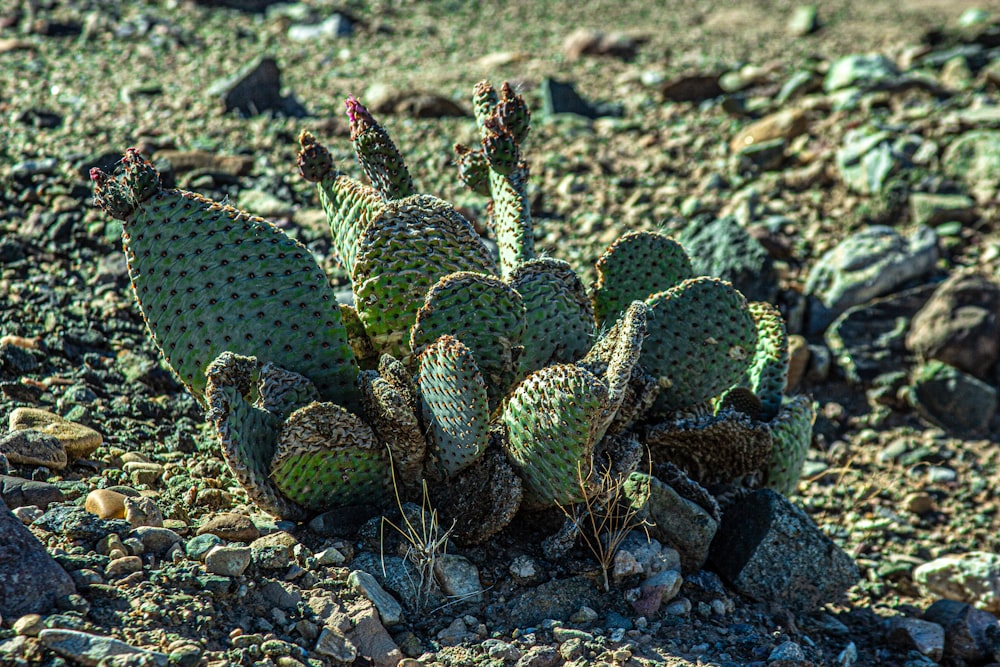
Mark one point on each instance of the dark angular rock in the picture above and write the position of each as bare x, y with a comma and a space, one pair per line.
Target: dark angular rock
256, 89
561, 97
692, 88
970, 635
30, 581
770, 550
553, 599
724, 249
19, 492
960, 325
77, 523
869, 340
955, 401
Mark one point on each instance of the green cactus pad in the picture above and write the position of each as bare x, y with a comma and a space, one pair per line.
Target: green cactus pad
513, 114
791, 431
559, 324
248, 434
484, 101
625, 355
377, 154
701, 339
502, 153
486, 315
391, 414
553, 421
327, 457
453, 405
211, 278
349, 206
473, 169
768, 373
281, 392
402, 254
361, 344
482, 499
712, 449
637, 266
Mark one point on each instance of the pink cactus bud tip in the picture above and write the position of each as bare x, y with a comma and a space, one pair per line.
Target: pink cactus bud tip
353, 109
97, 175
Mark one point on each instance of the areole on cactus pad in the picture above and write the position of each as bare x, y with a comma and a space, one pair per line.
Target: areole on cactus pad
471, 370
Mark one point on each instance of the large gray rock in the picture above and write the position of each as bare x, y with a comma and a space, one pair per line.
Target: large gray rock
874, 262
770, 550
974, 158
970, 635
859, 70
955, 401
960, 325
724, 249
972, 577
30, 580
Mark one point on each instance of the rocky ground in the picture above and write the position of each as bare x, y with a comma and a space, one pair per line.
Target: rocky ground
850, 155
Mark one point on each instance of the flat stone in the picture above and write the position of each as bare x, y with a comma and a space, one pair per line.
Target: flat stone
30, 580
105, 504
678, 521
156, 539
76, 523
769, 549
389, 609
971, 635
200, 545
29, 447
972, 577
859, 70
867, 341
274, 551
78, 440
334, 644
20, 492
558, 598
785, 124
870, 263
935, 209
253, 90
695, 87
372, 639
960, 325
458, 578
183, 161
88, 649
122, 566
231, 527
227, 561
955, 401
725, 249
914, 634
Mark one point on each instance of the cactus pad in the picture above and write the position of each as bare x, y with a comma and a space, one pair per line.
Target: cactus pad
349, 206
473, 169
559, 321
210, 278
453, 405
637, 266
406, 250
377, 154
553, 419
713, 449
248, 434
769, 370
791, 431
701, 339
327, 457
485, 314
390, 412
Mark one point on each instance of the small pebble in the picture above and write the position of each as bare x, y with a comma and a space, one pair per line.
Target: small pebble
29, 625
143, 511
119, 567
231, 527
27, 514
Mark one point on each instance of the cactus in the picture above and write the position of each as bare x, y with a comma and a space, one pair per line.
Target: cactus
484, 379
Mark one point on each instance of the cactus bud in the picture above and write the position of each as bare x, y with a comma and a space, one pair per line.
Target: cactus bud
111, 195
315, 161
140, 175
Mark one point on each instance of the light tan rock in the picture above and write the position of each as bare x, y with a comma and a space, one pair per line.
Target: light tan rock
786, 124
106, 504
78, 440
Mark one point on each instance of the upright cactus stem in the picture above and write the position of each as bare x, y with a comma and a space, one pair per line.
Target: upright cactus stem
377, 154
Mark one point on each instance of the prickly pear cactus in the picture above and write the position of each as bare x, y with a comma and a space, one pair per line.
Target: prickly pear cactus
503, 382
